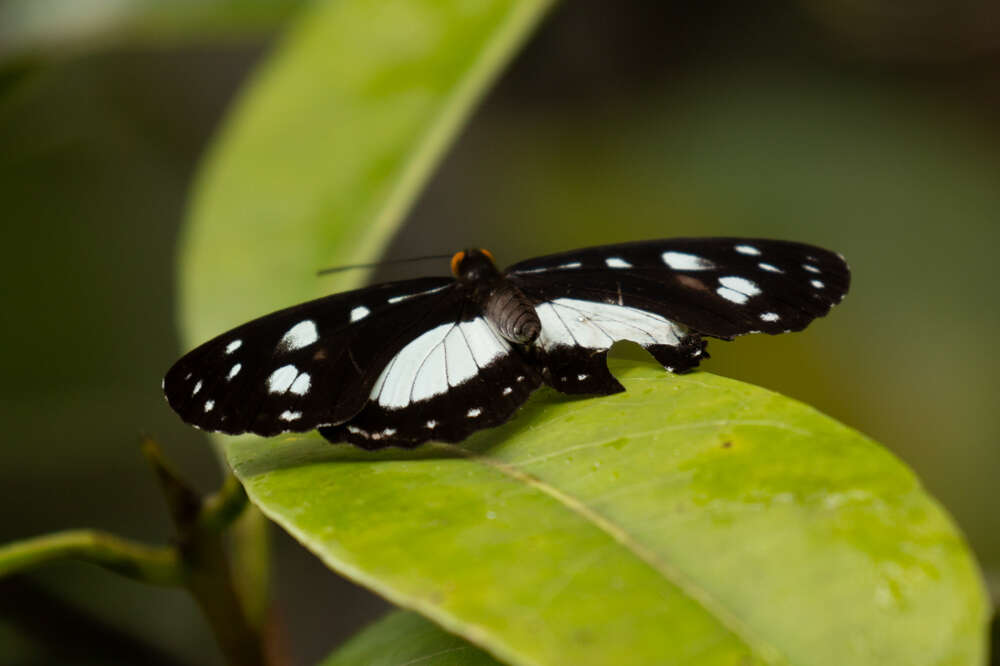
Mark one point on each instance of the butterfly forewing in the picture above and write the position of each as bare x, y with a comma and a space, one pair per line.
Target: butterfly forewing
306, 366
720, 287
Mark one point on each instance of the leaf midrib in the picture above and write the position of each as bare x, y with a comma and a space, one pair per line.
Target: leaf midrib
714, 607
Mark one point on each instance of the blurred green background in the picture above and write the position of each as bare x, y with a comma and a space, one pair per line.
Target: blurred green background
869, 128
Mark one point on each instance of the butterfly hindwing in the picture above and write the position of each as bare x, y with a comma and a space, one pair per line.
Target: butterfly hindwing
455, 378
306, 366
719, 287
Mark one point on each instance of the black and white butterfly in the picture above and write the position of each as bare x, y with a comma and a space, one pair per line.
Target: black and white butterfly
401, 363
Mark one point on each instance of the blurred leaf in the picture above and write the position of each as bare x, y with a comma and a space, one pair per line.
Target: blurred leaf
155, 565
330, 145
693, 518
48, 27
406, 638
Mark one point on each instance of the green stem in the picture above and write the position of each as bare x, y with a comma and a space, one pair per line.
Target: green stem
198, 562
155, 565
218, 511
199, 541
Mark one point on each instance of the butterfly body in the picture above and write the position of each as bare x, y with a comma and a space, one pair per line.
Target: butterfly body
508, 309
439, 358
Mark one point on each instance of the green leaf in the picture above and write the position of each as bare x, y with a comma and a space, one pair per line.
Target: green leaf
691, 519
407, 638
49, 27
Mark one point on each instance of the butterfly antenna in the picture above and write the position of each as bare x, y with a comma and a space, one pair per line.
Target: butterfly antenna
338, 269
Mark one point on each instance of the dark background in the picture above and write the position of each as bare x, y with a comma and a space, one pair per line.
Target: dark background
868, 128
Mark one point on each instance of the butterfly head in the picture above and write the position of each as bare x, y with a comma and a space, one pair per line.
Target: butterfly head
473, 264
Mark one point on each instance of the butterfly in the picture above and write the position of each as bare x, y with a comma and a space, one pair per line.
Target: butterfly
439, 358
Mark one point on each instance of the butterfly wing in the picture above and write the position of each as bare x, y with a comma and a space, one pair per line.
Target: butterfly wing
666, 294
455, 378
720, 287
306, 366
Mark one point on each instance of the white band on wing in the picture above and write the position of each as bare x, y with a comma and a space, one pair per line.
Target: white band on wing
442, 358
594, 325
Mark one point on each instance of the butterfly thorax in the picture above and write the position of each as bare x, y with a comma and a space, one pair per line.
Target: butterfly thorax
507, 308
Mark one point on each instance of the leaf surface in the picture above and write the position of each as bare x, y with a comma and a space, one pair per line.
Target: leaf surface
691, 519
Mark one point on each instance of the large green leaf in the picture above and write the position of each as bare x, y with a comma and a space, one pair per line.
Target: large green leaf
691, 519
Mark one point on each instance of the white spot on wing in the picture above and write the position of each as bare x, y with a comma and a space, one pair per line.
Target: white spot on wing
682, 261
572, 264
617, 262
732, 295
359, 312
233, 346
594, 325
233, 371
432, 424
282, 378
769, 316
301, 335
209, 404
474, 412
197, 387
403, 297
581, 377
810, 268
507, 390
742, 285
747, 249
290, 416
770, 268
817, 283
301, 384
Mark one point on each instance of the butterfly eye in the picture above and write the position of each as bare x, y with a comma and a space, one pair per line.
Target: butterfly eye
456, 261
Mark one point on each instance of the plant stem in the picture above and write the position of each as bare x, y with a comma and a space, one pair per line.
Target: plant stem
198, 561
199, 542
155, 565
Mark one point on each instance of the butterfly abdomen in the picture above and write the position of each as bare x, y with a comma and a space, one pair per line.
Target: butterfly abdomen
513, 314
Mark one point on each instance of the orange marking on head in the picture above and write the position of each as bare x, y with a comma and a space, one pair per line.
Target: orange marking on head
455, 261
489, 255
